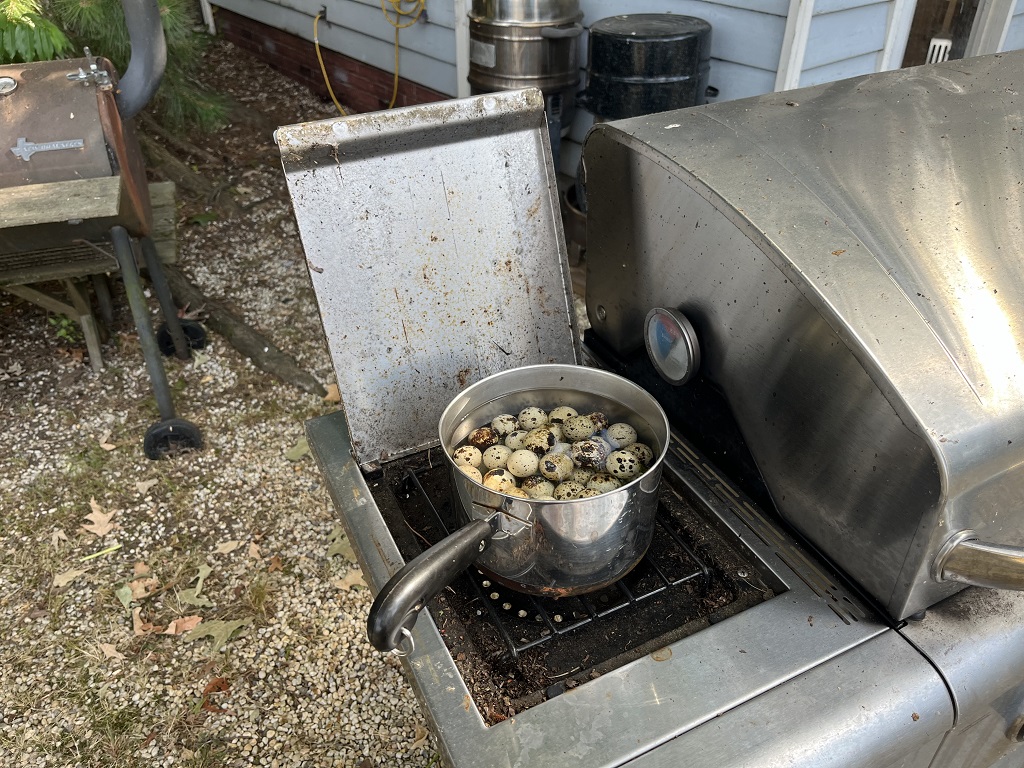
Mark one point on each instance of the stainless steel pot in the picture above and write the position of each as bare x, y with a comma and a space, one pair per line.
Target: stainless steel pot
552, 548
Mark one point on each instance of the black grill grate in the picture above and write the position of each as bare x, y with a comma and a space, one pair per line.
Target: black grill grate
524, 621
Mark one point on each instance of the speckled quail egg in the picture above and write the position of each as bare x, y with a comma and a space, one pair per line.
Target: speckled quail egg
620, 434
537, 486
517, 492
623, 464
500, 480
483, 438
561, 413
505, 424
642, 452
514, 440
556, 467
556, 430
496, 456
581, 475
603, 482
569, 489
523, 463
590, 454
472, 472
540, 440
543, 498
467, 456
532, 417
578, 428
588, 493
565, 448
599, 419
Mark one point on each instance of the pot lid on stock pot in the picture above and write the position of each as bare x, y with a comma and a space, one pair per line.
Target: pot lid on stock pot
434, 243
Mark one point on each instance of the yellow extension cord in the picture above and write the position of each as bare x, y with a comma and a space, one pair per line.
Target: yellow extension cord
404, 18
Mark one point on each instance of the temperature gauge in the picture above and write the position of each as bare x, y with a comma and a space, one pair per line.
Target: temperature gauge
672, 345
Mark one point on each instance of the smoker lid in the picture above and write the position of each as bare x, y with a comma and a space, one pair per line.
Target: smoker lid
434, 244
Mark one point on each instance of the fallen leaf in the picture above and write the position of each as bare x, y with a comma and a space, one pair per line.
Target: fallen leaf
184, 624
143, 486
420, 734
198, 358
339, 544
254, 550
297, 451
124, 594
227, 547
219, 631
140, 569
217, 685
63, 579
142, 588
141, 627
110, 651
191, 596
333, 394
105, 443
100, 524
57, 537
354, 578
275, 564
206, 379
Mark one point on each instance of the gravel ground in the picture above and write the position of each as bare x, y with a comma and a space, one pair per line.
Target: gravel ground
107, 560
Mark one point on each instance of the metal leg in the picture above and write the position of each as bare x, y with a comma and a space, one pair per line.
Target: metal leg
101, 287
83, 312
140, 312
163, 294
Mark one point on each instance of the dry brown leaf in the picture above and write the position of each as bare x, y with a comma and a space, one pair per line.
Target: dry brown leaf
184, 624
105, 443
110, 651
333, 394
275, 564
227, 547
141, 569
63, 579
420, 735
143, 486
354, 578
100, 524
57, 537
254, 550
143, 587
141, 627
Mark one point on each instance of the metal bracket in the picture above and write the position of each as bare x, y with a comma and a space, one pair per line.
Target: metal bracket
95, 76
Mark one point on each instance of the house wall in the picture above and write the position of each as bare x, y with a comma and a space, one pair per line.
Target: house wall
1015, 32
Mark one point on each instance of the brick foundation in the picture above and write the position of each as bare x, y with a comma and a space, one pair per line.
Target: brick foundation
357, 85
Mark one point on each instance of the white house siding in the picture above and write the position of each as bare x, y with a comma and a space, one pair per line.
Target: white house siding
358, 29
1015, 31
844, 41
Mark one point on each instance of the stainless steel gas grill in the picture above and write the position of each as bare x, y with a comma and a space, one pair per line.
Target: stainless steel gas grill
765, 626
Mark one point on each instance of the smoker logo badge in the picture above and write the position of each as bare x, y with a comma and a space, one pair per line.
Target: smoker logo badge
25, 149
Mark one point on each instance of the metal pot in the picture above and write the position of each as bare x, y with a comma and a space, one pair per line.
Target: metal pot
552, 548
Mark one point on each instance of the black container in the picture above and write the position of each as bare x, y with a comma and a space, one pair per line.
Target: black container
643, 63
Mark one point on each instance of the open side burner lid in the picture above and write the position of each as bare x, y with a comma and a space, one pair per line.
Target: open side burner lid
434, 243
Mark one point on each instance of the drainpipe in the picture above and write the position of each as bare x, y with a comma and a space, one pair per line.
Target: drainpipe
148, 57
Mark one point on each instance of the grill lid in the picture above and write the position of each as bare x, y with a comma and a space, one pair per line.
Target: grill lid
434, 244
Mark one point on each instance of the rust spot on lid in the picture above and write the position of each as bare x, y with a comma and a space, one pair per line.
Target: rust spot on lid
466, 702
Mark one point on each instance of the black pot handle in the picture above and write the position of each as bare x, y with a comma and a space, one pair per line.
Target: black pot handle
398, 604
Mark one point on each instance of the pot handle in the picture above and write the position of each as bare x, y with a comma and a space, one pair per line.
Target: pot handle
398, 604
965, 559
554, 33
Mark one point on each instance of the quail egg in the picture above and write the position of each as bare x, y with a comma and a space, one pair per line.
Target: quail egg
500, 480
539, 440
561, 413
599, 419
496, 456
587, 493
568, 489
471, 472
556, 467
514, 440
623, 464
603, 482
467, 456
643, 453
532, 417
517, 492
590, 454
621, 434
543, 498
537, 486
578, 428
522, 463
556, 430
581, 475
483, 438
504, 425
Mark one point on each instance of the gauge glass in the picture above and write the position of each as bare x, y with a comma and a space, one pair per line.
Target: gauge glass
672, 345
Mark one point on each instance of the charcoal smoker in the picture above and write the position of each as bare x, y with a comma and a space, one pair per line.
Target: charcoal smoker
835, 573
72, 177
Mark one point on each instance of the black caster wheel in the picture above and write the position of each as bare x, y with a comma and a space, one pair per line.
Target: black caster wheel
195, 336
171, 437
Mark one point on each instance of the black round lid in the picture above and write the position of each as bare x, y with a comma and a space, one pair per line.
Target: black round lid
650, 26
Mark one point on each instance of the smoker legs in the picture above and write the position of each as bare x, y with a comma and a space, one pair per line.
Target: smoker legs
182, 347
